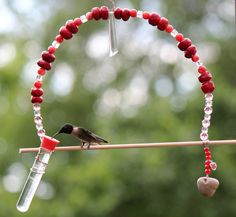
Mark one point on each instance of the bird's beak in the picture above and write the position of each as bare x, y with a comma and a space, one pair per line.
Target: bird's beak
55, 135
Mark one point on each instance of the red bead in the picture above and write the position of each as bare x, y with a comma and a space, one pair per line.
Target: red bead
70, 25
51, 49
207, 166
59, 39
205, 77
118, 13
36, 91
36, 99
208, 157
183, 45
195, 58
96, 13
191, 51
104, 13
206, 149
125, 14
207, 171
179, 37
207, 162
163, 23
65, 33
41, 71
77, 21
89, 15
43, 64
38, 84
154, 19
208, 154
146, 15
133, 13
208, 87
201, 69
48, 57
169, 28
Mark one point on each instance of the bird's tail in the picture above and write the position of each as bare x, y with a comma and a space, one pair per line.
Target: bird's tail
102, 140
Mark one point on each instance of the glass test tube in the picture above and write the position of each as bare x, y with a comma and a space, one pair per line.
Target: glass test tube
36, 173
112, 35
33, 180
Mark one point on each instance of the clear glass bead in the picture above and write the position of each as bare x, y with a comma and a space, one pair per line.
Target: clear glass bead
207, 117
204, 130
36, 107
41, 133
204, 136
209, 97
209, 103
56, 44
39, 126
213, 165
140, 14
174, 33
84, 19
206, 123
37, 113
38, 120
199, 63
39, 78
208, 110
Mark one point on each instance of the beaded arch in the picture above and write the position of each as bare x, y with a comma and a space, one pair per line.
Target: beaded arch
71, 27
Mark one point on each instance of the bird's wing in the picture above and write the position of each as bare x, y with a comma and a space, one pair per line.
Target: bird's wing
92, 135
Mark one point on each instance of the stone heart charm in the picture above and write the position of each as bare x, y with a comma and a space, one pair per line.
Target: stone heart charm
207, 186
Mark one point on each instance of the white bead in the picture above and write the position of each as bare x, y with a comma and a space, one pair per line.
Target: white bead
41, 133
36, 107
83, 19
206, 123
56, 44
38, 120
140, 14
209, 103
204, 130
208, 110
174, 33
199, 63
204, 136
209, 97
39, 78
39, 126
37, 113
213, 165
207, 117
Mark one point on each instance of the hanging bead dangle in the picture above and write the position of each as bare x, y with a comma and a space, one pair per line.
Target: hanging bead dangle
112, 31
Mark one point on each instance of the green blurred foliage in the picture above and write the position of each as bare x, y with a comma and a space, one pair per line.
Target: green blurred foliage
145, 182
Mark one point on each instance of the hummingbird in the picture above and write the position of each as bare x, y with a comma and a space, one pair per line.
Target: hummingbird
81, 133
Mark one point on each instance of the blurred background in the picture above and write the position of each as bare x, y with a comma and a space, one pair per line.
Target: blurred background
147, 93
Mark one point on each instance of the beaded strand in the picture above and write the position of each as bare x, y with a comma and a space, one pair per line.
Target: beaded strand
161, 23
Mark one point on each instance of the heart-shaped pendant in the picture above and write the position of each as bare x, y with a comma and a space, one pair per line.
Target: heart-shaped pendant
207, 186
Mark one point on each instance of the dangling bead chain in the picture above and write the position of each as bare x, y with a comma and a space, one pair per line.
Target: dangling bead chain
184, 44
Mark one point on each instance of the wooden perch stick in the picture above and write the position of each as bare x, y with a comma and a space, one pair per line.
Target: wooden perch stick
139, 145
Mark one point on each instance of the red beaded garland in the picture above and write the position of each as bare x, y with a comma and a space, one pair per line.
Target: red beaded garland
70, 25
146, 15
179, 37
51, 49
43, 64
125, 14
205, 77
48, 57
208, 87
104, 12
183, 45
118, 13
133, 13
154, 19
36, 99
169, 28
162, 24
38, 84
36, 91
96, 13
191, 51
65, 33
